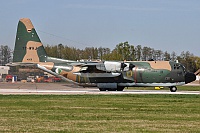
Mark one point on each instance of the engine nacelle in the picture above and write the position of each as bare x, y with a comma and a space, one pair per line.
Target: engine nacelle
118, 66
58, 68
112, 65
107, 85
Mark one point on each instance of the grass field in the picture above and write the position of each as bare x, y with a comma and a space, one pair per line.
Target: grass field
100, 113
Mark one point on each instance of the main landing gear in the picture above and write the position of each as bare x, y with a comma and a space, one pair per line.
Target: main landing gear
173, 88
119, 88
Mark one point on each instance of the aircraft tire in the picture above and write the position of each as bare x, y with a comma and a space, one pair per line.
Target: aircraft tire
173, 88
102, 89
112, 89
120, 88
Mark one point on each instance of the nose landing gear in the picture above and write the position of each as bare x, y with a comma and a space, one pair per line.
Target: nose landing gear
173, 88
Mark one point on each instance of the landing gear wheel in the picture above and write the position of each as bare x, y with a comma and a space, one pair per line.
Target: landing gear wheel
102, 89
173, 88
120, 88
112, 89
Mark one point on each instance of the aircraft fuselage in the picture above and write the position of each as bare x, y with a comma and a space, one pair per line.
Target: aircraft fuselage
112, 74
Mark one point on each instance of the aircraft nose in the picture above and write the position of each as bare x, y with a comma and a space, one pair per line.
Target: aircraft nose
189, 77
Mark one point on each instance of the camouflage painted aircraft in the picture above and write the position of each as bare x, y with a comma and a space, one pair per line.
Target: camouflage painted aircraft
106, 75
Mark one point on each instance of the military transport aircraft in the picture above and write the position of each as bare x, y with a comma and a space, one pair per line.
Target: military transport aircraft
106, 75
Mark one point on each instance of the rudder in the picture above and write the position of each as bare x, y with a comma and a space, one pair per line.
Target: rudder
28, 47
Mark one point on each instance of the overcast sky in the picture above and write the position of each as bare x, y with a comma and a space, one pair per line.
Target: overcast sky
167, 25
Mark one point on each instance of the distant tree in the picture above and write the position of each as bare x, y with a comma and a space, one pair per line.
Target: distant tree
107, 55
159, 55
132, 53
113, 55
5, 54
52, 51
197, 62
166, 56
173, 56
152, 54
60, 49
87, 54
125, 51
70, 53
100, 53
48, 49
138, 52
121, 51
146, 51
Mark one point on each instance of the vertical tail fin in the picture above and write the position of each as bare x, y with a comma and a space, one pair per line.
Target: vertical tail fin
28, 47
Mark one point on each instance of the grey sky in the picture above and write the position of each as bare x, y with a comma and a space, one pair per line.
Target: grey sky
168, 25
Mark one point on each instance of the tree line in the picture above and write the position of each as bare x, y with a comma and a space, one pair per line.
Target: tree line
122, 51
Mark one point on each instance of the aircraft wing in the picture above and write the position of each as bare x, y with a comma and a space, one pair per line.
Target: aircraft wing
96, 70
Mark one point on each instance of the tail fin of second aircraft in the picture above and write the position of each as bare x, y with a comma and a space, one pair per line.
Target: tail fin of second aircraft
28, 47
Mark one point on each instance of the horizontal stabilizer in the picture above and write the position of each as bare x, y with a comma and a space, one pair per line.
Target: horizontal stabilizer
197, 72
21, 64
55, 74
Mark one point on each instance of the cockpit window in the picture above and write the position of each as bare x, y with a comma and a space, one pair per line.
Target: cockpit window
176, 66
184, 69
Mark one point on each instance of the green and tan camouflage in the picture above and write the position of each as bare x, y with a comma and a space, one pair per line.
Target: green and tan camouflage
29, 49
27, 44
106, 75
